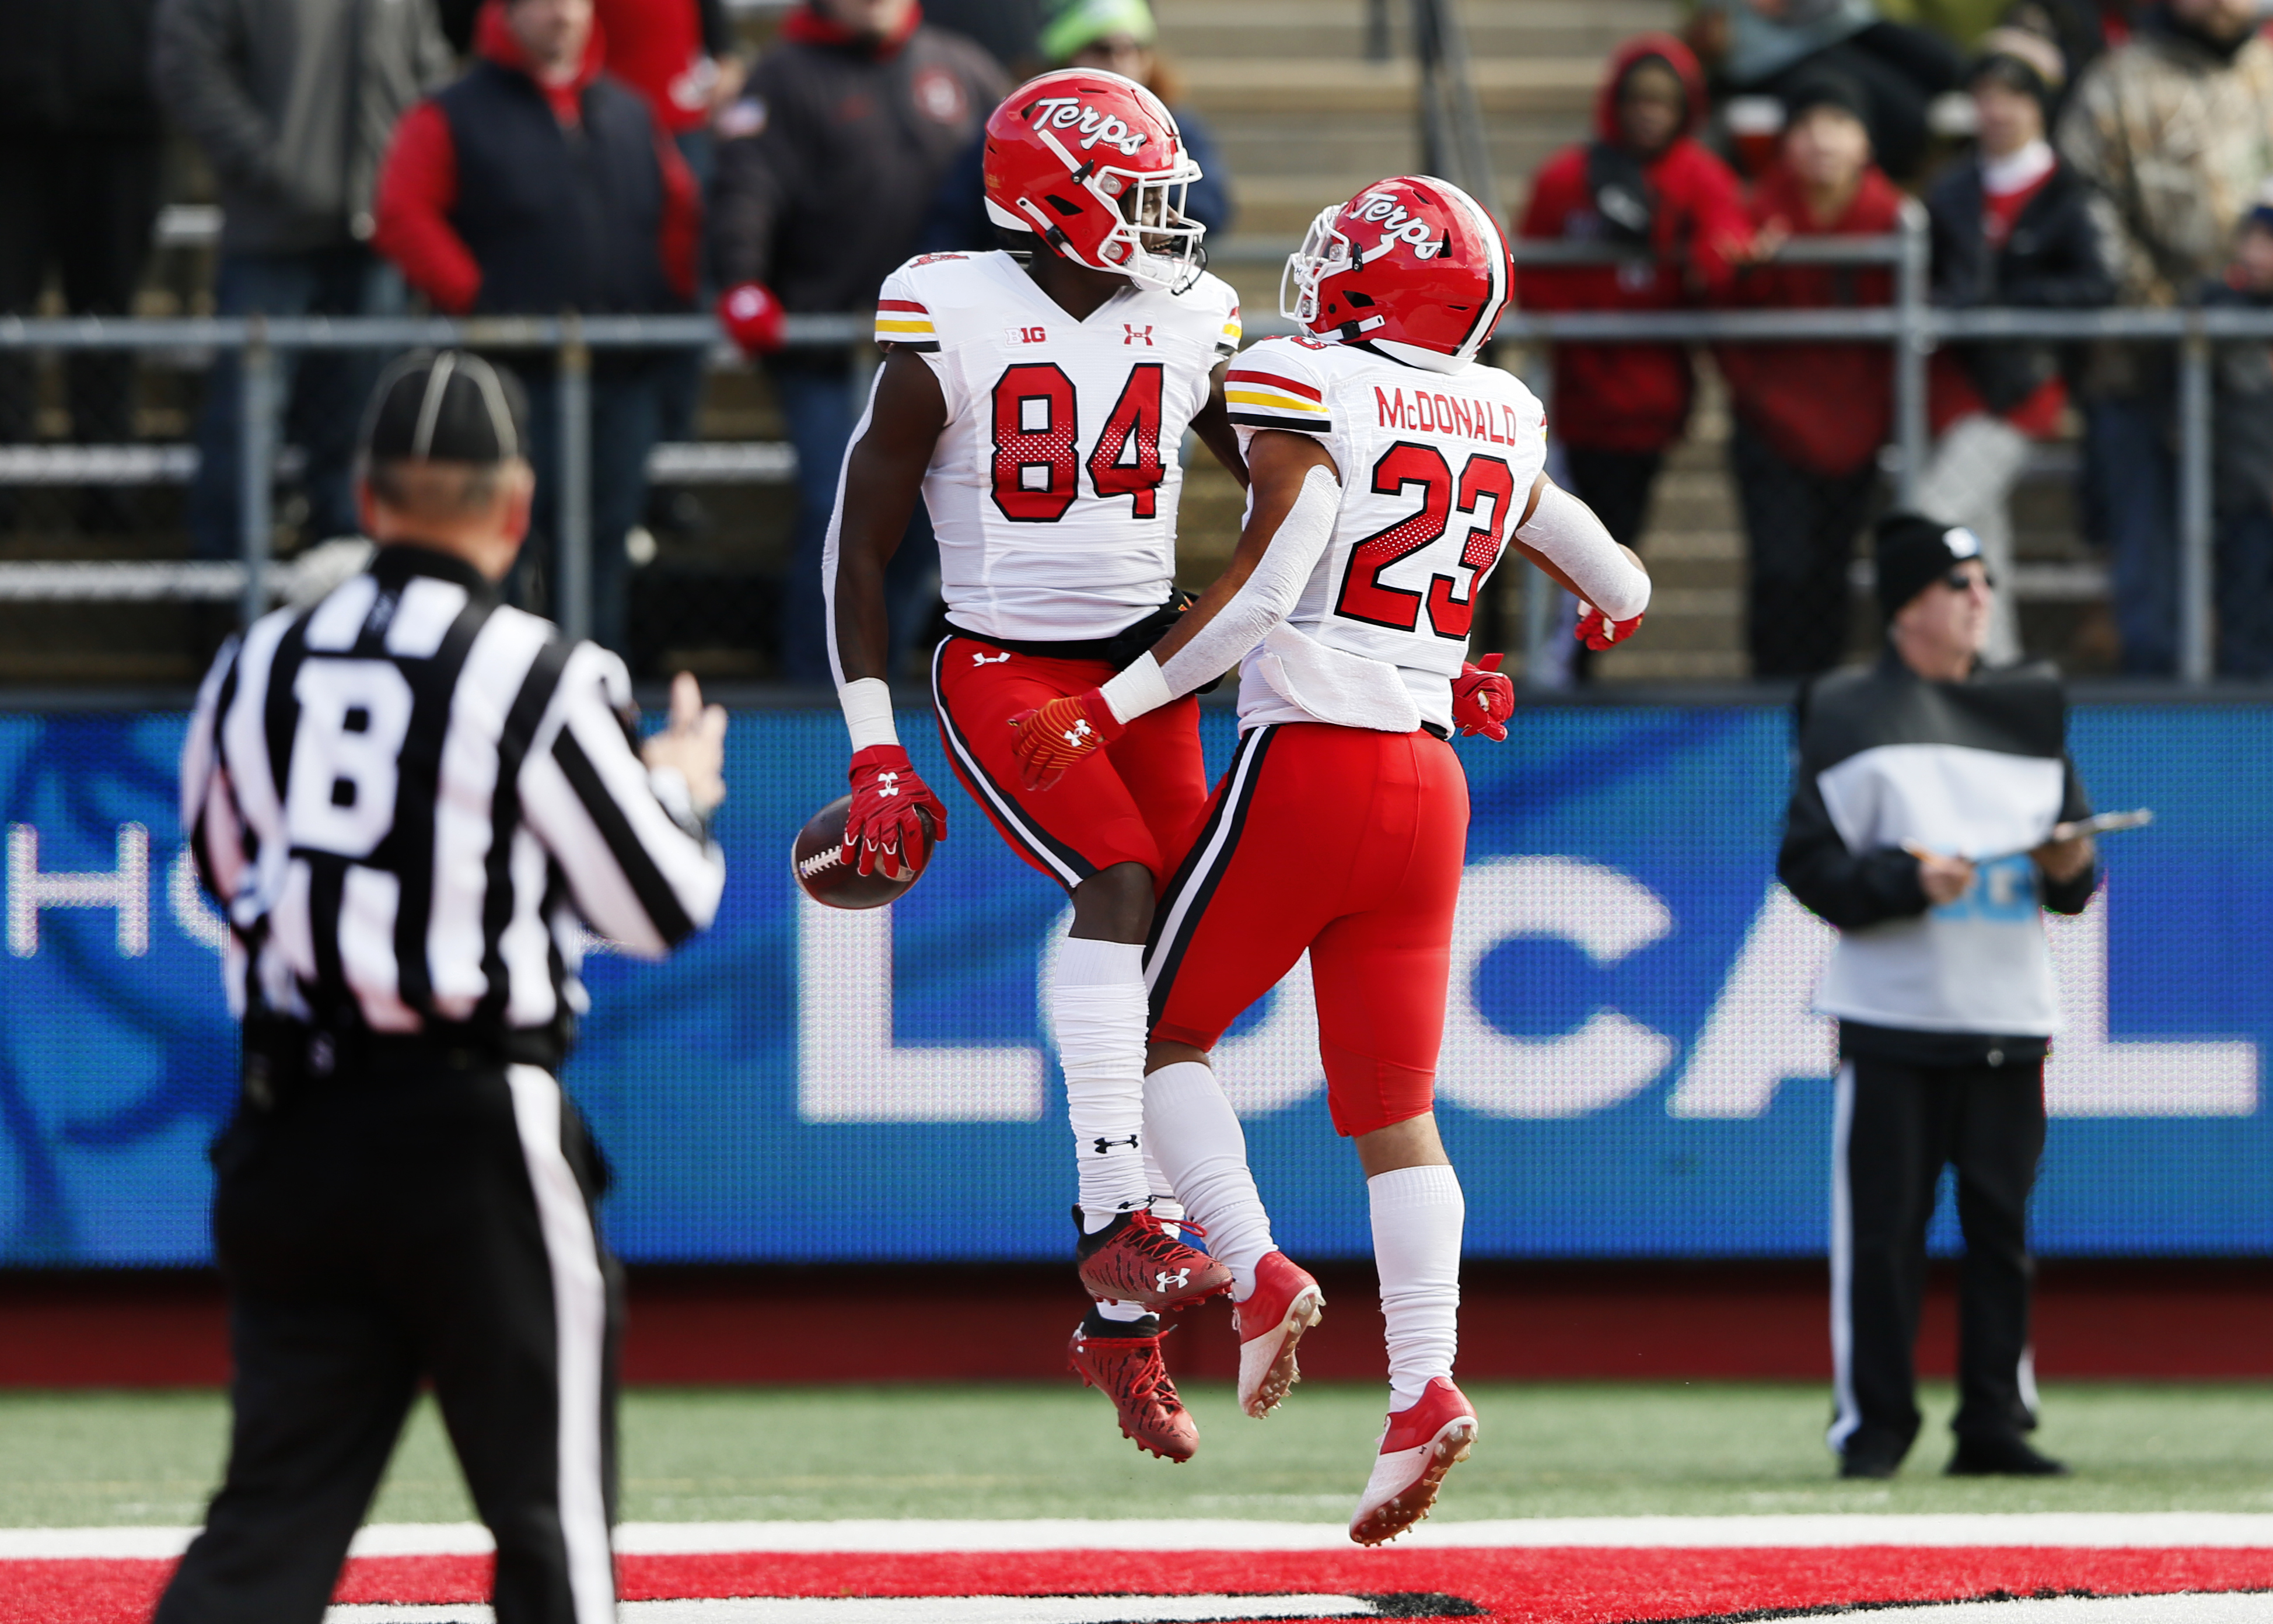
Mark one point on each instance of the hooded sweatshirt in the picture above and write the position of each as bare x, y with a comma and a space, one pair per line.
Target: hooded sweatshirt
1825, 408
1632, 397
509, 193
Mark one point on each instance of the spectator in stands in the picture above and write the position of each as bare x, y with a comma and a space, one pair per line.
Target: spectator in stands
1763, 47
534, 185
2242, 460
680, 55
1116, 34
1809, 418
2173, 129
825, 175
293, 102
79, 194
2012, 226
1644, 186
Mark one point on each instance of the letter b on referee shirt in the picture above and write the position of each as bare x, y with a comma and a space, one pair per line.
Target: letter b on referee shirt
354, 716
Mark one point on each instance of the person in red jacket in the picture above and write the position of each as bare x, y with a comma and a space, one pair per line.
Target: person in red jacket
534, 185
1809, 418
1644, 183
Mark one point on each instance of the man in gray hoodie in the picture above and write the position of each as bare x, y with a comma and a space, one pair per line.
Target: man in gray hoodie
293, 102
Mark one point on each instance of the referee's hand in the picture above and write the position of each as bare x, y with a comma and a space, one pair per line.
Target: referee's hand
694, 744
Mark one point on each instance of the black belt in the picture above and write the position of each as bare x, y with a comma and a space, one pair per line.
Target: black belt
284, 1057
1435, 731
1119, 650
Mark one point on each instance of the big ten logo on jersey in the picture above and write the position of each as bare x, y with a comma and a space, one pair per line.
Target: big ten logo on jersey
1445, 569
1027, 335
2004, 891
1424, 411
1037, 464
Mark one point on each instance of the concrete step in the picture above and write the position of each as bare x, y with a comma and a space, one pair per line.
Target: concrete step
1203, 29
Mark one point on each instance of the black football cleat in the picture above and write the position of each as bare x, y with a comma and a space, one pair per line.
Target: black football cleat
2001, 1455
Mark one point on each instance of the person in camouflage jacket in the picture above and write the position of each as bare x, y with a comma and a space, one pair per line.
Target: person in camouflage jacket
2175, 131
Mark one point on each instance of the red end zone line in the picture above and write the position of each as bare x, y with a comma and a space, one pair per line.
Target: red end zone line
1541, 1585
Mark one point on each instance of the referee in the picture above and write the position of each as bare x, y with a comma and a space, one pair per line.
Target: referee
411, 801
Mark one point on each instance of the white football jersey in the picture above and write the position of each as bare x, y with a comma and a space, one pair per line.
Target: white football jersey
1054, 489
1437, 470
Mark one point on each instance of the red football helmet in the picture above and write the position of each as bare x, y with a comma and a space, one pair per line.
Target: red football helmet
1411, 264
1092, 163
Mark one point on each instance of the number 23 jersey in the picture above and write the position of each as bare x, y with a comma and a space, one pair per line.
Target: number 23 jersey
1436, 469
1053, 489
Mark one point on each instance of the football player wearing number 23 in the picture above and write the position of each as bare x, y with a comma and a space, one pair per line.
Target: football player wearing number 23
1390, 470
1037, 399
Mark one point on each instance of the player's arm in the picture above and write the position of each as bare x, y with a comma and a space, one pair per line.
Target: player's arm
1293, 496
1561, 534
884, 481
1213, 423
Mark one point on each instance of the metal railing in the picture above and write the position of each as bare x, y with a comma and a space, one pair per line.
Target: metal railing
1909, 324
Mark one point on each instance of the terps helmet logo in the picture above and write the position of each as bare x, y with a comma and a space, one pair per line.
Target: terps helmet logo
1066, 112
1379, 209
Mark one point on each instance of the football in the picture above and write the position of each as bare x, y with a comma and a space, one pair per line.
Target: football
818, 860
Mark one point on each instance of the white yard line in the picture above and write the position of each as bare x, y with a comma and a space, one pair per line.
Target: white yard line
2108, 1530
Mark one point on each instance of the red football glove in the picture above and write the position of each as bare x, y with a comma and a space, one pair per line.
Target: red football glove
882, 824
1483, 698
1598, 631
1063, 733
752, 318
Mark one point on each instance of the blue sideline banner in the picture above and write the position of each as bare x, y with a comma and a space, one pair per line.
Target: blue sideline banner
1631, 1068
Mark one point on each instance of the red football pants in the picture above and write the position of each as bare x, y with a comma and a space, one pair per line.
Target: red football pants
1347, 843
1136, 801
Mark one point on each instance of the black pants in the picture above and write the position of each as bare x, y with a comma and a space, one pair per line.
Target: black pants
80, 205
379, 1229
1896, 1127
1800, 530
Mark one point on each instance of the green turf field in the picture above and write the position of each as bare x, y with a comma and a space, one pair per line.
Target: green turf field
72, 1459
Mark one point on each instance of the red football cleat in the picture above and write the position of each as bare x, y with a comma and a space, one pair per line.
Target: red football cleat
1287, 1302
1128, 1370
1418, 1446
1135, 1260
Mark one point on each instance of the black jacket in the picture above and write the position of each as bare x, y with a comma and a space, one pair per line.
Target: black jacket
2241, 419
1939, 986
827, 195
2056, 258
77, 66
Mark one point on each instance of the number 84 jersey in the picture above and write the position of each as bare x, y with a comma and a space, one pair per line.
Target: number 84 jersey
1436, 469
1054, 488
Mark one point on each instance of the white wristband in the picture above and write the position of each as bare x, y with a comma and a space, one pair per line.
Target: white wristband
1139, 689
868, 713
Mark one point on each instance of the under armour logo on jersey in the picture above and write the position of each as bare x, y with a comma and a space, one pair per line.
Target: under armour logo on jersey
888, 784
1137, 335
1105, 1146
1178, 1278
1001, 659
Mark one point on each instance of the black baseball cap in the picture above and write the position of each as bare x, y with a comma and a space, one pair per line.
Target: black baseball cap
449, 405
1915, 551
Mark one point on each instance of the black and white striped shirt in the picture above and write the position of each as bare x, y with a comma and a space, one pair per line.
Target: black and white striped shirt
412, 800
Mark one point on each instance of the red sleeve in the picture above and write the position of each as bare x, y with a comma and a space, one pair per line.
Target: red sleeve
1559, 188
1724, 230
682, 217
417, 188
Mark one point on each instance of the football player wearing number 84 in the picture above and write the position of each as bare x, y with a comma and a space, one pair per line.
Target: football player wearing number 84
1037, 399
1389, 468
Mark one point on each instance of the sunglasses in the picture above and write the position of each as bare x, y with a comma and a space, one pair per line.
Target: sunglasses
1961, 580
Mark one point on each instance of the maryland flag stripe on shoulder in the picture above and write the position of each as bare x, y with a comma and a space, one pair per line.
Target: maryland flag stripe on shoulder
1268, 401
904, 321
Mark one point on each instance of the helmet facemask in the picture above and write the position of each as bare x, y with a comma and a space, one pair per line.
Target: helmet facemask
1156, 243
1325, 252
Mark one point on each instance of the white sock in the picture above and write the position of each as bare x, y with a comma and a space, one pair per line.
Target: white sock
1193, 1131
1121, 1313
1098, 1003
1417, 1215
